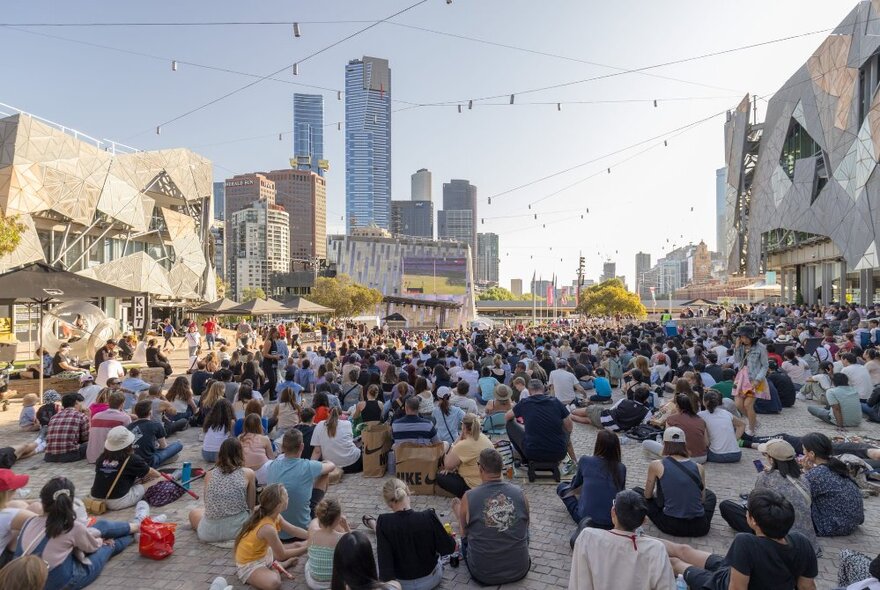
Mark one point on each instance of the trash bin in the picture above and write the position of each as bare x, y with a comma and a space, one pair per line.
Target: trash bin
671, 329
8, 351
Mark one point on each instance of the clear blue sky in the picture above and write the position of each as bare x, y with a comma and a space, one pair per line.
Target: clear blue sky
644, 201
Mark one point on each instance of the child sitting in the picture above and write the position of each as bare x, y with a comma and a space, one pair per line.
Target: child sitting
47, 410
325, 530
258, 546
27, 420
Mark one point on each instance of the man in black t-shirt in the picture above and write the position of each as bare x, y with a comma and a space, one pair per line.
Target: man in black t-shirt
149, 442
774, 557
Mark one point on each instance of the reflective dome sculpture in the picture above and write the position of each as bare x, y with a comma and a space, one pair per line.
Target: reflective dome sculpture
82, 325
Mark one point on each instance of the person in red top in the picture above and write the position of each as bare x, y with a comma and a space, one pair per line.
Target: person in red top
210, 327
68, 435
282, 331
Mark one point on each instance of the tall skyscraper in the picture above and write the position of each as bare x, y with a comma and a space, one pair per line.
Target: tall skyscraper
487, 258
721, 210
308, 132
412, 218
643, 265
368, 143
303, 194
219, 200
242, 191
421, 185
458, 219
516, 287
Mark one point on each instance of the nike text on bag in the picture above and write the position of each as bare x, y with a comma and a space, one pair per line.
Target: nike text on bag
417, 466
377, 443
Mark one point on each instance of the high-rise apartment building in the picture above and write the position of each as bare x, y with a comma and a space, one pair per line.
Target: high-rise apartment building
421, 185
368, 143
412, 218
219, 248
259, 238
458, 219
643, 265
308, 133
219, 200
303, 195
516, 287
240, 192
487, 259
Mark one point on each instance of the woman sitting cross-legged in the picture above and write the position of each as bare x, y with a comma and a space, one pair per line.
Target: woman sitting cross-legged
598, 479
460, 470
678, 502
258, 546
230, 495
121, 475
57, 537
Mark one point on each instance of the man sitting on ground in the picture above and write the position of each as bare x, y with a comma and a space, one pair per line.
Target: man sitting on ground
412, 428
306, 481
619, 558
132, 386
563, 384
544, 435
103, 422
68, 434
149, 434
843, 401
622, 416
774, 557
494, 522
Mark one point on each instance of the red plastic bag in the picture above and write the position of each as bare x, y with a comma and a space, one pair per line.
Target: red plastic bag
157, 539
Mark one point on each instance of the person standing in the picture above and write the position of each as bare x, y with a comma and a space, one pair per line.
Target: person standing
168, 332
211, 329
193, 340
750, 382
494, 523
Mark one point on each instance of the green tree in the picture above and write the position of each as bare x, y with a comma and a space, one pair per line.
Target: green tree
609, 298
346, 297
496, 294
222, 287
251, 293
10, 234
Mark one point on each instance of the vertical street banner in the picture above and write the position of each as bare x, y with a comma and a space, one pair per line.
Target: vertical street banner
140, 317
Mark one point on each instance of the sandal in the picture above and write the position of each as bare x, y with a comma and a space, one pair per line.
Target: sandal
366, 518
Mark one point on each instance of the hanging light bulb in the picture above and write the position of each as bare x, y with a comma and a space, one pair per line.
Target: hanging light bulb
339, 125
158, 129
459, 108
582, 215
511, 99
470, 105
558, 106
544, 225
296, 33
530, 205
609, 171
665, 144
588, 209
295, 69
279, 137
338, 95
173, 65
490, 200
536, 216
655, 103
482, 220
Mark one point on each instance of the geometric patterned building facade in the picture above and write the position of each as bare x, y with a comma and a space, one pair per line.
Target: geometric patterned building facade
137, 220
813, 212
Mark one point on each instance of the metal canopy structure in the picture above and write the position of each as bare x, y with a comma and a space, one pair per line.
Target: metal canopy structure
259, 307
304, 306
219, 306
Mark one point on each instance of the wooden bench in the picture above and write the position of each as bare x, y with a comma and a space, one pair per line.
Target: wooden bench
22, 387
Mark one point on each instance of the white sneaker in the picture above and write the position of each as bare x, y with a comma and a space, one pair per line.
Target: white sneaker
141, 511
219, 583
800, 396
41, 446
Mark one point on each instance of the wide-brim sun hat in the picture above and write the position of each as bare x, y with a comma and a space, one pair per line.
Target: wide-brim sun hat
118, 438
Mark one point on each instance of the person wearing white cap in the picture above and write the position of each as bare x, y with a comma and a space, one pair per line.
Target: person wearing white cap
136, 476
89, 389
678, 502
447, 417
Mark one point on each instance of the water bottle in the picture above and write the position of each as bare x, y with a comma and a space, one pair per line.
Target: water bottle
186, 473
680, 584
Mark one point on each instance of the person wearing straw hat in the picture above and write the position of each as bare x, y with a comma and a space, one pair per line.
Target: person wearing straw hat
125, 489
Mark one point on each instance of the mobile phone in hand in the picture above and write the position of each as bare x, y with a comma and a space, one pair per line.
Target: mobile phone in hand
759, 465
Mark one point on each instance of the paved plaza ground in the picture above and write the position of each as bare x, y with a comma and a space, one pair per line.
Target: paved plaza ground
194, 564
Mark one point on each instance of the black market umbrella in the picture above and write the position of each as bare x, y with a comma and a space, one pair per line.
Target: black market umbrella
304, 306
257, 307
41, 284
219, 306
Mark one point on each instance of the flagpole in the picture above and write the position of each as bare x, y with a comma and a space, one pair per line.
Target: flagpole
534, 301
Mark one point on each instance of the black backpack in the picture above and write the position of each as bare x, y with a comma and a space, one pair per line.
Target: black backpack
644, 432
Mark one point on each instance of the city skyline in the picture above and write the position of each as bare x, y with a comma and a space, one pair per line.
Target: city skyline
494, 159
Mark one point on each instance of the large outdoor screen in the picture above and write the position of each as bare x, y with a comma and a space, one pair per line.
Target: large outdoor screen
425, 276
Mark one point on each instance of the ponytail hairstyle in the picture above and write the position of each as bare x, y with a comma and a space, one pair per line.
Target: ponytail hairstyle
711, 399
443, 404
685, 404
288, 396
270, 499
372, 392
472, 423
328, 512
394, 491
820, 444
57, 499
332, 422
